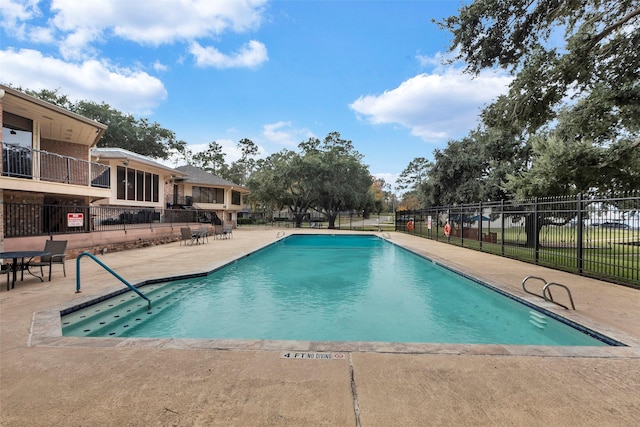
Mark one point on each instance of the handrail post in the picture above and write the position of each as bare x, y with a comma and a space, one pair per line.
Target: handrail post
524, 285
547, 289
113, 273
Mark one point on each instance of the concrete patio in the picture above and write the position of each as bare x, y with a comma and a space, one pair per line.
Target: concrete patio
50, 380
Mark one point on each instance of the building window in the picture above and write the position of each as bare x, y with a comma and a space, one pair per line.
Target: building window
147, 186
140, 186
17, 139
131, 184
17, 130
122, 183
155, 185
236, 199
137, 185
208, 195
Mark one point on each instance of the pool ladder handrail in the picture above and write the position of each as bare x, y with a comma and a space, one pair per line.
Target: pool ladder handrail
546, 291
280, 234
116, 275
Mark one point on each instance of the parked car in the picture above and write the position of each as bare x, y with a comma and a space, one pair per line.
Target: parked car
619, 225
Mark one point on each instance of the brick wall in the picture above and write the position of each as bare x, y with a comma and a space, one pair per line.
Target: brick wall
26, 214
1, 121
63, 148
61, 169
1, 193
1, 221
101, 242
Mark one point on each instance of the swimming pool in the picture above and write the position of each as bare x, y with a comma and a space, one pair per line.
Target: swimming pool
327, 288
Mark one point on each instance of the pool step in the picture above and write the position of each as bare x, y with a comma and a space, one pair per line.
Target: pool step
538, 320
103, 318
115, 304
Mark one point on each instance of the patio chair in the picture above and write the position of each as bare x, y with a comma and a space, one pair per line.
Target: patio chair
217, 232
57, 249
5, 269
188, 237
202, 233
227, 231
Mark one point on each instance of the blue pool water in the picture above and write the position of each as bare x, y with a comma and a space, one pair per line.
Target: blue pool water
327, 288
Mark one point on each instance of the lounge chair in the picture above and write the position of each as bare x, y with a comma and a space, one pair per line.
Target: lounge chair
188, 237
57, 249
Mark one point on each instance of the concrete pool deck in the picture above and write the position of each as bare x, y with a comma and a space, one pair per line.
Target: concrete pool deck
47, 379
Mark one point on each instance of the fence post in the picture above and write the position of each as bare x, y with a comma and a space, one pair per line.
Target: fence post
448, 220
480, 224
580, 224
68, 170
462, 217
536, 243
437, 224
502, 227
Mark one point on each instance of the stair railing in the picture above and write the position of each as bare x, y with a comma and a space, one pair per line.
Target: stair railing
113, 273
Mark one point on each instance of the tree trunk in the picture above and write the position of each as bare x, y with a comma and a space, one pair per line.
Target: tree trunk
531, 230
331, 217
298, 217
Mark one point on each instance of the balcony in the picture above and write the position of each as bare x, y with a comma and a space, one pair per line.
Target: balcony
25, 162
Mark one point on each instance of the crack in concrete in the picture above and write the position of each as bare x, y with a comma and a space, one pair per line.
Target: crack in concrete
354, 391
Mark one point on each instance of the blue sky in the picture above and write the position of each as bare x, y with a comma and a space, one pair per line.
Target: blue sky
276, 72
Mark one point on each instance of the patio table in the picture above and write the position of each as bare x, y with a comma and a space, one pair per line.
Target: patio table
15, 255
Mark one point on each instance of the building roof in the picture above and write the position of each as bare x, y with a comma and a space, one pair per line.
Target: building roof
195, 175
115, 153
56, 123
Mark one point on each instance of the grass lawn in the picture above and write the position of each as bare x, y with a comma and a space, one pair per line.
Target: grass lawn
610, 254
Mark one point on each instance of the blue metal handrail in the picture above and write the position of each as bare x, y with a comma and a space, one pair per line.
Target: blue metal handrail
103, 265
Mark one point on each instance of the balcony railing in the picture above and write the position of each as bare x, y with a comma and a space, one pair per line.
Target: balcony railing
22, 162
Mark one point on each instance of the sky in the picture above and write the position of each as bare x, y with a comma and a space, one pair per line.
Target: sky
274, 71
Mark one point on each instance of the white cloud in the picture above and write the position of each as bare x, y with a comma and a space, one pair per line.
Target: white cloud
229, 148
250, 55
435, 107
159, 66
79, 25
153, 22
389, 178
426, 61
127, 90
283, 133
13, 11
13, 15
76, 45
41, 35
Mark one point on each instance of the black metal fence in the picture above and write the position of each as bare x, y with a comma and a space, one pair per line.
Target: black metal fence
590, 235
21, 220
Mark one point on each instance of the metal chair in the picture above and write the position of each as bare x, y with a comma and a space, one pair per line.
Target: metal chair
202, 233
188, 237
57, 250
6, 269
217, 232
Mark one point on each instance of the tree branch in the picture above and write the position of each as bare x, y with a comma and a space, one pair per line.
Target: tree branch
608, 30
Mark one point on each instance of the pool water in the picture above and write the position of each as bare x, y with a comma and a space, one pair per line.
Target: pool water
327, 288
